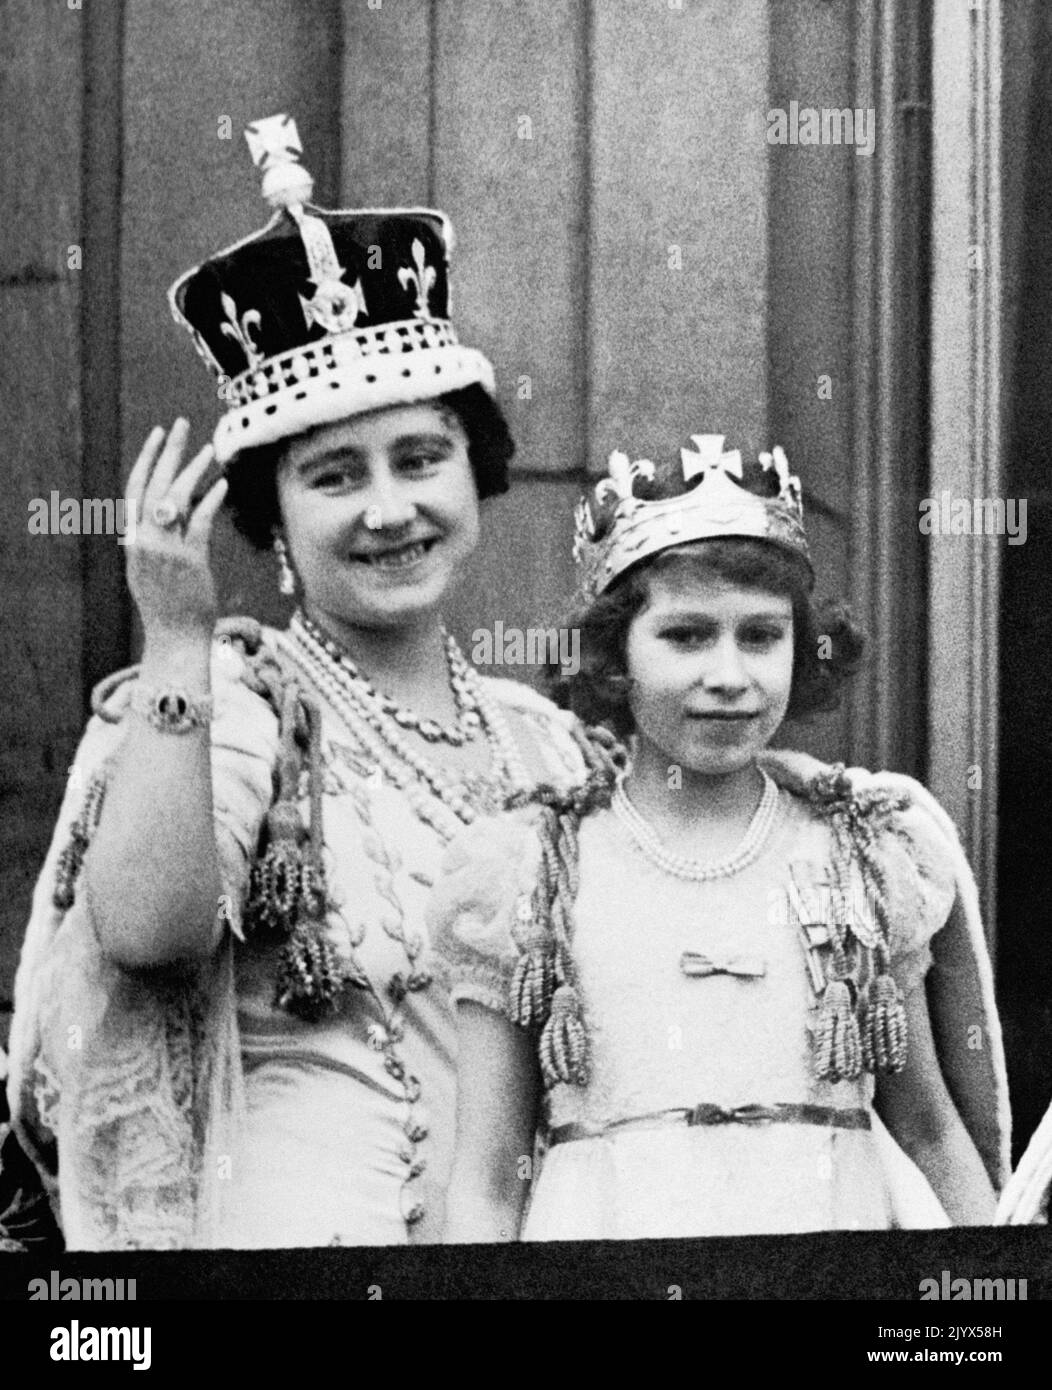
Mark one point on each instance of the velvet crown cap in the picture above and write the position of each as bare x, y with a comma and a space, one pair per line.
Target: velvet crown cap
323, 314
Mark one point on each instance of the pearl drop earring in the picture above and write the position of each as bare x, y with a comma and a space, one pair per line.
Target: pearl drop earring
287, 579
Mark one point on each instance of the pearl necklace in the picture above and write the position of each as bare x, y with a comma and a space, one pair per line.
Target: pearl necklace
399, 762
648, 840
468, 719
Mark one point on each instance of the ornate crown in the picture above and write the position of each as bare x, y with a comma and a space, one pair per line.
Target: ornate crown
323, 314
639, 508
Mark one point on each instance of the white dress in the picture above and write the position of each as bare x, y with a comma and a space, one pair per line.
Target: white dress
209, 1115
661, 1039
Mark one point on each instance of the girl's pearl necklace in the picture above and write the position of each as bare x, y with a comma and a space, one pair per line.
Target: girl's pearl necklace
398, 761
648, 840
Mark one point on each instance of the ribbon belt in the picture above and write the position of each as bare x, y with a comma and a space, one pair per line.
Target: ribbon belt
707, 1114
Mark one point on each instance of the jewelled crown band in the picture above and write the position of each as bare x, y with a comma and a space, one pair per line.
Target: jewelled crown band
323, 314
641, 508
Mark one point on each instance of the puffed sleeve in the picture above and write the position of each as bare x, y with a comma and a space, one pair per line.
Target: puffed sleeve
921, 871
472, 912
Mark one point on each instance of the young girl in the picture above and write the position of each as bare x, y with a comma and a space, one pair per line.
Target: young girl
704, 981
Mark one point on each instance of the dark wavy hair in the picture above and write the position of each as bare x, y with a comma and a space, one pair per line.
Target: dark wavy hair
252, 489
827, 645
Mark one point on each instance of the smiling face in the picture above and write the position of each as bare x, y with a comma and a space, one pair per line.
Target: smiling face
711, 664
380, 513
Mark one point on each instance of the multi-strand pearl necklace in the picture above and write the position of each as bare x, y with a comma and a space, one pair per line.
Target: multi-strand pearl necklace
355, 699
648, 840
468, 720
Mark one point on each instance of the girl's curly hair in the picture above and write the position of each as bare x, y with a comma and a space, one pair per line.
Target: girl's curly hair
252, 488
827, 645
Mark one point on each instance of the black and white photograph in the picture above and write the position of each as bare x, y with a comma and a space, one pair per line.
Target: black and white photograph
526, 651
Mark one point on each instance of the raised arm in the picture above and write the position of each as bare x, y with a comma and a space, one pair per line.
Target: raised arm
919, 1112
152, 877
496, 1121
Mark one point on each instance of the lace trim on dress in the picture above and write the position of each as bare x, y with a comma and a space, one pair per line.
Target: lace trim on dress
133, 1078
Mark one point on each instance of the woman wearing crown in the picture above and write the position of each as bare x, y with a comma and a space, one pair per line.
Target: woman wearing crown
227, 1030
736, 991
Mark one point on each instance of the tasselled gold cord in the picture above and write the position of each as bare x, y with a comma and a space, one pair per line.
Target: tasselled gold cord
544, 992
860, 1026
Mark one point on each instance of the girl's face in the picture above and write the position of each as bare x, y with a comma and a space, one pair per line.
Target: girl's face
711, 666
380, 513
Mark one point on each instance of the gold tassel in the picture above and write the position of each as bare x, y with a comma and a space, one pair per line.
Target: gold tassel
310, 980
838, 1047
531, 986
313, 892
533, 978
563, 1047
280, 878
884, 1027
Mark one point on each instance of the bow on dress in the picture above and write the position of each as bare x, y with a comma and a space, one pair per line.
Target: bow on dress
697, 964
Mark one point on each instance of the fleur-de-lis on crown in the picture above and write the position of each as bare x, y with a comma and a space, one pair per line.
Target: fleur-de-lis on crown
240, 331
778, 461
622, 476
423, 278
788, 483
710, 457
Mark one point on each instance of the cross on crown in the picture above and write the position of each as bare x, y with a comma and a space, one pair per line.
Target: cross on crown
273, 140
274, 144
710, 457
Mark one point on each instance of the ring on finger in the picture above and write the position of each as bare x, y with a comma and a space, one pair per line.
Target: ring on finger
167, 515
